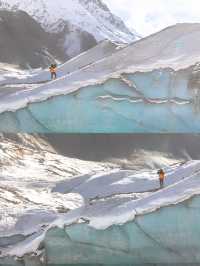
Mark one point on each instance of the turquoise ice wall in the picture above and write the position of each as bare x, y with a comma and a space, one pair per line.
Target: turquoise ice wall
160, 101
169, 236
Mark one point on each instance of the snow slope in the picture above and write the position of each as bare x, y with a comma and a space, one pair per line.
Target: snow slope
98, 53
90, 16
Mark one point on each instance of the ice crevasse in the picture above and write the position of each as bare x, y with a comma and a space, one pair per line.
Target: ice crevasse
149, 86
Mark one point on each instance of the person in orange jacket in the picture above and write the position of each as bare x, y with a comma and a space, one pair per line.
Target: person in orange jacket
53, 71
161, 175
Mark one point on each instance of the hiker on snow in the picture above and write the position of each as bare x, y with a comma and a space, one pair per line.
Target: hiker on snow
53, 70
161, 174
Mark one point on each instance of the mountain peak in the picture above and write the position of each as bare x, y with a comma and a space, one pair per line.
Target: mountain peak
91, 16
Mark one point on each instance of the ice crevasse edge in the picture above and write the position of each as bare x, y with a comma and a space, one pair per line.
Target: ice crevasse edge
150, 86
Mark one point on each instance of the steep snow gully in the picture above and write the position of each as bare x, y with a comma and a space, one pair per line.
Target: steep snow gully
149, 86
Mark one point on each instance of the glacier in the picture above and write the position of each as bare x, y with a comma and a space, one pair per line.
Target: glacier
150, 86
63, 211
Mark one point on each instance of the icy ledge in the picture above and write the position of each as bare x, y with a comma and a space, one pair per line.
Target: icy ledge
125, 220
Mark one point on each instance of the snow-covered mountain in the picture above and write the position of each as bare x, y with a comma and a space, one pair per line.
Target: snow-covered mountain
25, 43
91, 16
46, 31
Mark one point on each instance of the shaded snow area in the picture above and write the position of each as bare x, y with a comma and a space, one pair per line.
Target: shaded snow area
112, 88
62, 211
